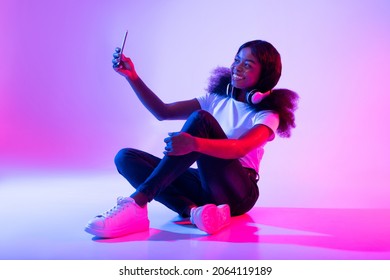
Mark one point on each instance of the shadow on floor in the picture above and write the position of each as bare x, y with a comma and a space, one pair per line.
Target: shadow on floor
344, 229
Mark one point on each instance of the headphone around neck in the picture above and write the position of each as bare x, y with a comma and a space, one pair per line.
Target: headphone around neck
252, 97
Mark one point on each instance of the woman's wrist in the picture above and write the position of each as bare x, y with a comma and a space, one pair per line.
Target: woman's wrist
132, 77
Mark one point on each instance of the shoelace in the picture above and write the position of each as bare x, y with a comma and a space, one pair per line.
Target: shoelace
121, 202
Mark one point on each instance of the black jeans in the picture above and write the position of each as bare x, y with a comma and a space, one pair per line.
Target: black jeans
173, 182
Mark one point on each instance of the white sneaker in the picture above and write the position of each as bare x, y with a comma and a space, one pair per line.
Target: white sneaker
124, 218
211, 218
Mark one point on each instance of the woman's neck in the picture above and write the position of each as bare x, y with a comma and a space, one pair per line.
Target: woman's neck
240, 95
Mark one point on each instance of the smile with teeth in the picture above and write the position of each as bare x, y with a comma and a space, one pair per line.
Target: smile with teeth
237, 77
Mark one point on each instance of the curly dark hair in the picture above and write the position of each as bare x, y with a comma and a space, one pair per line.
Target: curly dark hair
282, 101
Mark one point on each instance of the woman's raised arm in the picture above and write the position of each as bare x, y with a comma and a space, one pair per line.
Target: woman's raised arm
161, 110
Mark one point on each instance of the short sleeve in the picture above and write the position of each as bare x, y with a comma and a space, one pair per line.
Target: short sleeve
268, 118
203, 101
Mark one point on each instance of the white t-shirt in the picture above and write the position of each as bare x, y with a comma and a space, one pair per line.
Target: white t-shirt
236, 118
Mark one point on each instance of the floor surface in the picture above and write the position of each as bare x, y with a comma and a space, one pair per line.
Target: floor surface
44, 217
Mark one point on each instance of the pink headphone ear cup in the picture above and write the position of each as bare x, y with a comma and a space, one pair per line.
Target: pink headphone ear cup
254, 97
257, 97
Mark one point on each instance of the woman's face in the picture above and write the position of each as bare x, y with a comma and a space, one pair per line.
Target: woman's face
245, 70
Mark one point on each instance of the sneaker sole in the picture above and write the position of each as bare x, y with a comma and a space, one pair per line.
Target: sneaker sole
214, 218
144, 226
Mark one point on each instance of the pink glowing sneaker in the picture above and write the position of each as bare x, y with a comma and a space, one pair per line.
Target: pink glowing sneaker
211, 218
124, 218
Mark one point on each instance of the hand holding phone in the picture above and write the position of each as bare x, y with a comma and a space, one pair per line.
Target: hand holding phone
127, 69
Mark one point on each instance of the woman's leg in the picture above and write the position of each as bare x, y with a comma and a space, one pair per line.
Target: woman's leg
222, 181
136, 166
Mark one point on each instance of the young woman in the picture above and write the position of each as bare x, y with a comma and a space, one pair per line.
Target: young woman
225, 133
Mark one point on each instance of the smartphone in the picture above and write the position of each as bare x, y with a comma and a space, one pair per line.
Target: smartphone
123, 46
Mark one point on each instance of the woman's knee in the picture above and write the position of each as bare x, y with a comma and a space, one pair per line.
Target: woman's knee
202, 124
200, 118
200, 115
123, 156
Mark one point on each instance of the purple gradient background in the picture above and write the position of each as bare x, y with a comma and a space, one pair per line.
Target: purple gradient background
63, 108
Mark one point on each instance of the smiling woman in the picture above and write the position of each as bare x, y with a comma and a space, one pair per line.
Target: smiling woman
224, 134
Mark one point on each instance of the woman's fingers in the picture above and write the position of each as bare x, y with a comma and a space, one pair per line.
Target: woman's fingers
115, 63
